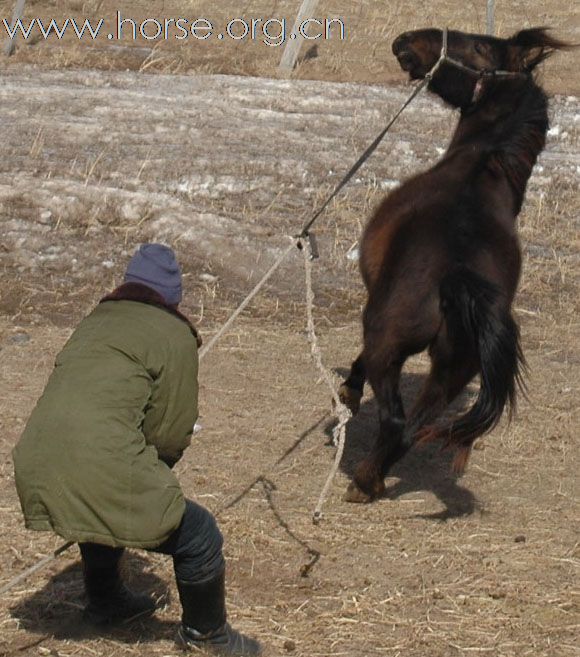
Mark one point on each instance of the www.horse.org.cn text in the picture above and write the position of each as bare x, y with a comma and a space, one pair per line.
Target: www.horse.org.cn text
270, 31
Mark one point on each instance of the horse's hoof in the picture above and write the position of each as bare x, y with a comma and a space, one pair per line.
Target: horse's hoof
356, 495
350, 398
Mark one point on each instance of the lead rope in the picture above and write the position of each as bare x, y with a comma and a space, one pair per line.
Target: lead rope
203, 351
303, 234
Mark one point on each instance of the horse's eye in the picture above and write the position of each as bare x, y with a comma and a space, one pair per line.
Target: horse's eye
480, 49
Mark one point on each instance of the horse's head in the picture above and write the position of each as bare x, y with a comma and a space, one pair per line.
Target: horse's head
419, 51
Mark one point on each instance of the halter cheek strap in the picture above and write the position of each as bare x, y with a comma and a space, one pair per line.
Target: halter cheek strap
443, 54
480, 74
477, 72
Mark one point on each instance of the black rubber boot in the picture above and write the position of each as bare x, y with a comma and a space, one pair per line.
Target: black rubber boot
110, 601
203, 623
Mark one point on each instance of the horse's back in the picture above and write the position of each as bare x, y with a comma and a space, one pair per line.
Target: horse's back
447, 216
416, 213
420, 234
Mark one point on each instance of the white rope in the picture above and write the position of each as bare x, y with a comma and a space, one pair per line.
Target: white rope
65, 546
343, 413
339, 430
37, 566
203, 351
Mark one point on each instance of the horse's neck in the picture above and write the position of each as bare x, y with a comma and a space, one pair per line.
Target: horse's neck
509, 132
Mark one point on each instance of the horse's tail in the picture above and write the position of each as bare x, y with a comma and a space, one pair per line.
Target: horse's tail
476, 319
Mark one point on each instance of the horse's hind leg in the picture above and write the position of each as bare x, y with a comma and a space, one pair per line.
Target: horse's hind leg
350, 392
368, 481
450, 372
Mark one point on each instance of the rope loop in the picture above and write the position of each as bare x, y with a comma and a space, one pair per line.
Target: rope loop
299, 240
341, 411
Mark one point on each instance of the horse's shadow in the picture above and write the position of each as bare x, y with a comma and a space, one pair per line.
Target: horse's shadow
56, 609
424, 468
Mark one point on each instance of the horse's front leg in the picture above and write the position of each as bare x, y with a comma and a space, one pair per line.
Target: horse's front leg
351, 391
368, 481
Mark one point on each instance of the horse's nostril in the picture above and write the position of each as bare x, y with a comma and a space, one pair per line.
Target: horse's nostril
406, 60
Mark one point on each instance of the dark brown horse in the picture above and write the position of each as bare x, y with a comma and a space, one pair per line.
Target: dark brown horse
440, 258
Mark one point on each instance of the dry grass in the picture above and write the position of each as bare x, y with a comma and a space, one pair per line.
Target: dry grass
444, 567
392, 578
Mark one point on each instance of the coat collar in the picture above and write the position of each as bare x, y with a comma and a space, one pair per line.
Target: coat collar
143, 294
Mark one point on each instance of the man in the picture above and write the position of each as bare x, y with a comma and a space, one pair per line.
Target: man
94, 462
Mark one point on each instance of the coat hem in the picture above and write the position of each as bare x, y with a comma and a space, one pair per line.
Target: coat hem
79, 536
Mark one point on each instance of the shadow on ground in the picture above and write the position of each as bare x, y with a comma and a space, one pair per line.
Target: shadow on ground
424, 468
55, 611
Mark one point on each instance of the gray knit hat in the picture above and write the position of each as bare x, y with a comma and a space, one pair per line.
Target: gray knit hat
155, 266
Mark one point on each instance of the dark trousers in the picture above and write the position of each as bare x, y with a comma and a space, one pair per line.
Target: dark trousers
196, 548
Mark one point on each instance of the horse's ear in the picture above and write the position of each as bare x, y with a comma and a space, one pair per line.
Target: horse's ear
531, 47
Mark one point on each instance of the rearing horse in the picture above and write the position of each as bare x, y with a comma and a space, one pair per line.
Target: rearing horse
441, 259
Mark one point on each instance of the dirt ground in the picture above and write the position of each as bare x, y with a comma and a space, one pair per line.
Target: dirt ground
107, 145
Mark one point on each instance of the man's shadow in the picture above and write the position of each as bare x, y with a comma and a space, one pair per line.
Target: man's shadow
56, 609
423, 468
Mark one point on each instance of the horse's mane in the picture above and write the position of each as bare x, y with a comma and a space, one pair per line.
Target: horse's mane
522, 139
536, 45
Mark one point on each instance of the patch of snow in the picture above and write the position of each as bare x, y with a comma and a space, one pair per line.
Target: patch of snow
208, 278
212, 186
540, 181
353, 254
230, 174
389, 184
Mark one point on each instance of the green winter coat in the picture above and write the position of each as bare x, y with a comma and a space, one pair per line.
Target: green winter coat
118, 410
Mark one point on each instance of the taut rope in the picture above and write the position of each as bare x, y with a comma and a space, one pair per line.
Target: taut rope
304, 233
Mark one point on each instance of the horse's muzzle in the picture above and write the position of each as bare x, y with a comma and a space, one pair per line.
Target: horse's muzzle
408, 60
